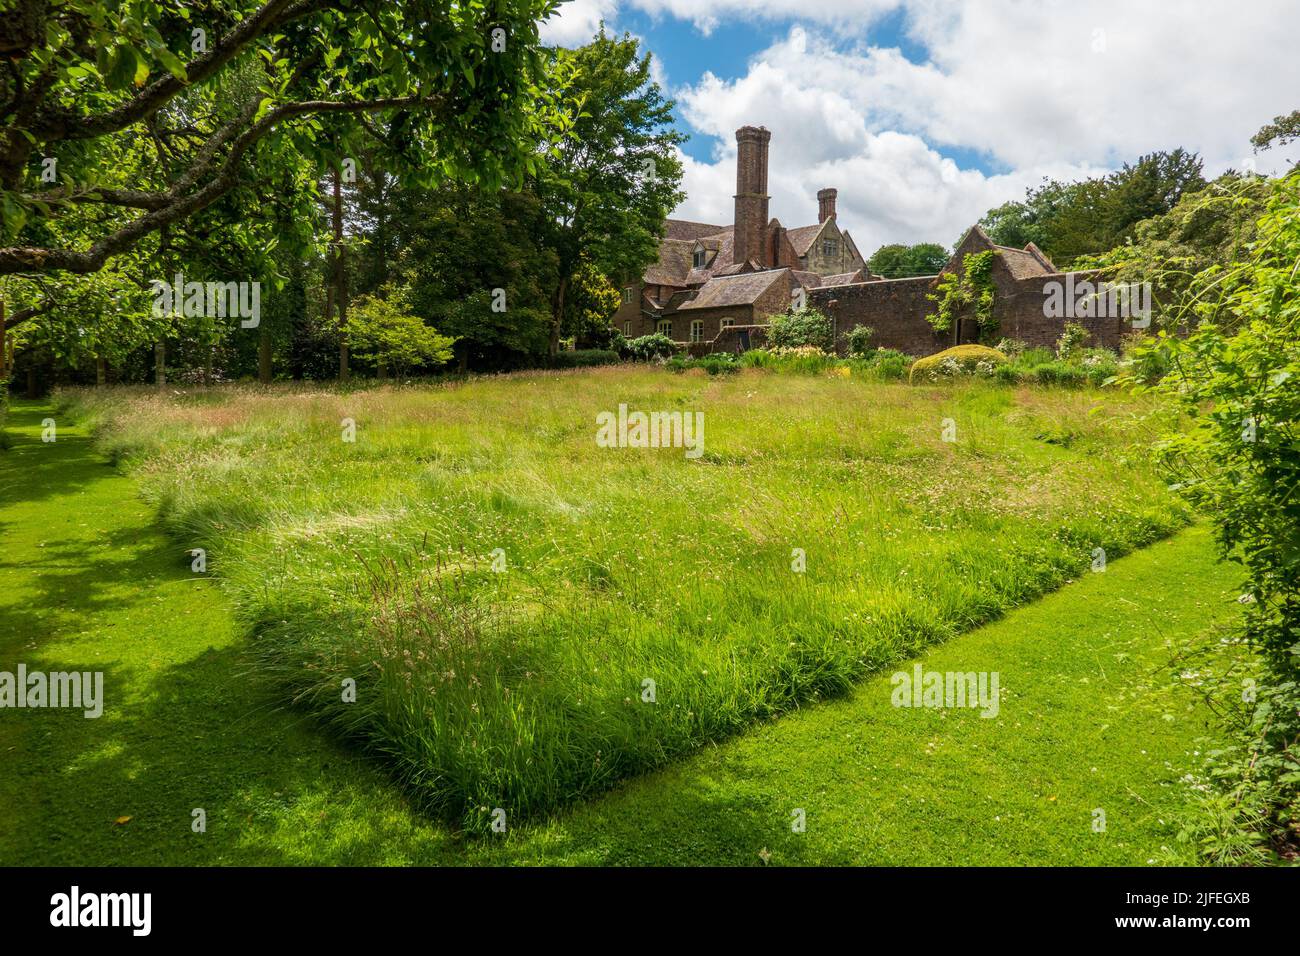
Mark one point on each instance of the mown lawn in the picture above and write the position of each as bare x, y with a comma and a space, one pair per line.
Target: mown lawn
372, 561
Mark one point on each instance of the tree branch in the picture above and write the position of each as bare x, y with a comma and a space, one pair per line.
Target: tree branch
61, 124
16, 259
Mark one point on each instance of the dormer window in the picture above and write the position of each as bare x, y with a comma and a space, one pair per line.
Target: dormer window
700, 257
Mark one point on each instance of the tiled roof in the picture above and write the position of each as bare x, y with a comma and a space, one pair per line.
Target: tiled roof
1041, 256
809, 280
741, 289
1023, 264
674, 263
844, 278
802, 237
685, 229
677, 256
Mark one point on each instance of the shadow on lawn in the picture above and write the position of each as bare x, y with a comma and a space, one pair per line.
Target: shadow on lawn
186, 723
33, 470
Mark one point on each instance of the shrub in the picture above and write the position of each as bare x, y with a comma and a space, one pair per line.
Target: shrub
1007, 375
647, 347
605, 338
1012, 348
858, 340
1145, 366
889, 364
799, 328
1070, 343
1099, 365
382, 328
1236, 378
1059, 373
958, 360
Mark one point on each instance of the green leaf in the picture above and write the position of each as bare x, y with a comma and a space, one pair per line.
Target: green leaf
172, 63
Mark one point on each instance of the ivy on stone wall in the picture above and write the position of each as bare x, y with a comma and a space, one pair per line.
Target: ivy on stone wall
966, 291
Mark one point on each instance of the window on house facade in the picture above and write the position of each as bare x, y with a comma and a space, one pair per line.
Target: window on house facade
697, 330
728, 323
665, 327
627, 328
699, 258
628, 293
830, 247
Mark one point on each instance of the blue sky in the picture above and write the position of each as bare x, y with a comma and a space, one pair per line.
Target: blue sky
926, 114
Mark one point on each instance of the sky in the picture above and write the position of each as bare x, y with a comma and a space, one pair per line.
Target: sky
926, 114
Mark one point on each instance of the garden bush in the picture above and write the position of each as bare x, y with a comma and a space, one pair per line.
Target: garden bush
958, 360
801, 328
1059, 373
714, 363
648, 347
858, 340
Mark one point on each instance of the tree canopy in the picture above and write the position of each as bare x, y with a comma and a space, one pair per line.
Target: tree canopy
121, 120
1071, 220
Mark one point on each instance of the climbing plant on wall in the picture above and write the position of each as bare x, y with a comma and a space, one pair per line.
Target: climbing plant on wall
965, 292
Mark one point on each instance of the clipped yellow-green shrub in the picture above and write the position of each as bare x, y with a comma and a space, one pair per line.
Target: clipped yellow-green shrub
958, 360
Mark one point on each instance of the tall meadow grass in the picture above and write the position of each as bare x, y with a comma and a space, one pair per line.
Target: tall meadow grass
649, 603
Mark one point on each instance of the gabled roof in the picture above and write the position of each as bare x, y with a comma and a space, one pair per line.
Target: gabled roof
803, 237
1023, 263
743, 289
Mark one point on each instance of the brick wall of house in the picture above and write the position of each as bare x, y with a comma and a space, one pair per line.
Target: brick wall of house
734, 339
1019, 309
895, 308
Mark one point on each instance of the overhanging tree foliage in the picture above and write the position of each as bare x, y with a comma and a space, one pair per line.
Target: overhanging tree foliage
120, 120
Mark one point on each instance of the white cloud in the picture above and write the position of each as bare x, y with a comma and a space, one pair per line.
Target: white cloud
1045, 89
576, 22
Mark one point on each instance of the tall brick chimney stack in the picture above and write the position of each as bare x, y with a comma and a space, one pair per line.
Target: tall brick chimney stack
826, 204
751, 194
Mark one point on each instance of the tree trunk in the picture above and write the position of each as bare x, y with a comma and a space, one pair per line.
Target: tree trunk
159, 364
263, 354
340, 279
101, 371
4, 349
558, 317
382, 370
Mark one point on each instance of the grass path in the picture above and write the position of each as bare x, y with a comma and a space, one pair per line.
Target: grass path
87, 581
1088, 721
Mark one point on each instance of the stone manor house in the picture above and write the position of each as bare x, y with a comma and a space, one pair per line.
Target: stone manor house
714, 287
